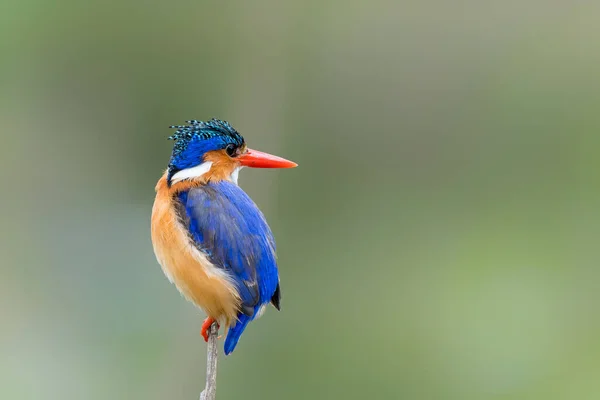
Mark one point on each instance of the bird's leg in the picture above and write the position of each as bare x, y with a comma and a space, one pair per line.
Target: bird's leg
206, 327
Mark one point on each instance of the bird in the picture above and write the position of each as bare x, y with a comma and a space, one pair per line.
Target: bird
209, 237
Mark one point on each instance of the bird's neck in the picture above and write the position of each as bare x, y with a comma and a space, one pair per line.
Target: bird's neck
199, 175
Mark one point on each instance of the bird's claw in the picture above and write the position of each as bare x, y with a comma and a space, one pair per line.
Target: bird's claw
206, 327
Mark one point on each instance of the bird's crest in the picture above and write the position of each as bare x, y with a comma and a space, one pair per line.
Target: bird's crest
204, 130
196, 139
200, 130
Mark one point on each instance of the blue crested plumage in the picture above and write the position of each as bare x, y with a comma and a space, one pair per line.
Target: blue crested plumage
196, 139
199, 206
226, 224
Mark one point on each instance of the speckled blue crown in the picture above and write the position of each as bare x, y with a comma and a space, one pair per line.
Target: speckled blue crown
194, 140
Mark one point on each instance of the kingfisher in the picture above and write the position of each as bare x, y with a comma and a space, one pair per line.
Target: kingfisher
209, 237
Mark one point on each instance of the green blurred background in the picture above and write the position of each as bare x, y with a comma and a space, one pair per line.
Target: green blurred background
440, 239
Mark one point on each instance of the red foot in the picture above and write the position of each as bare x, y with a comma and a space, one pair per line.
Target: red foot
206, 327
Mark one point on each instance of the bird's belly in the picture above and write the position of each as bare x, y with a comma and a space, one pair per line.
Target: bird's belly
195, 276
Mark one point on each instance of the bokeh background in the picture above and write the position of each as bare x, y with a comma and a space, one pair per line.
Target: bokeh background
440, 239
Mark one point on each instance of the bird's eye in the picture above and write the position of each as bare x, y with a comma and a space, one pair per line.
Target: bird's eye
231, 150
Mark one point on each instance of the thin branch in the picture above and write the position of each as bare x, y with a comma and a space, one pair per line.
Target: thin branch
210, 391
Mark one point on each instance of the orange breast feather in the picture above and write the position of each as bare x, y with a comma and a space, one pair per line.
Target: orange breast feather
188, 268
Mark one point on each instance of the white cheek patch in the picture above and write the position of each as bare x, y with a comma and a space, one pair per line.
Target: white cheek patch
194, 172
234, 175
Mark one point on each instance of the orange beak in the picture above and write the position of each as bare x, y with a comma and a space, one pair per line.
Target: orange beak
258, 159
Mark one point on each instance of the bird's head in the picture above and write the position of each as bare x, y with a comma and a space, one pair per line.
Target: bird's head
214, 149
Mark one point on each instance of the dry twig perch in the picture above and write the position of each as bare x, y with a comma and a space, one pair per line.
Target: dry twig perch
212, 351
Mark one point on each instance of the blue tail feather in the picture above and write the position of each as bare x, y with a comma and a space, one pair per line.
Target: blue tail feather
235, 332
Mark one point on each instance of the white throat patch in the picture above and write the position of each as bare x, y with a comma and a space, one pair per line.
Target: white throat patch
194, 172
234, 175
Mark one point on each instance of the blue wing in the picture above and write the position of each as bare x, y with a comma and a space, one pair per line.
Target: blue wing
226, 224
